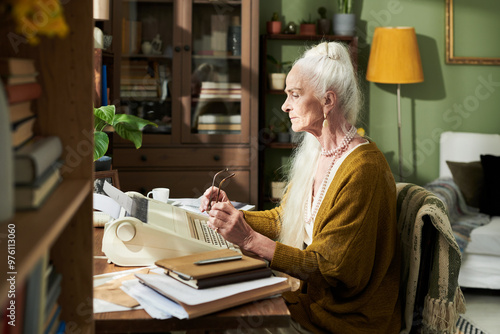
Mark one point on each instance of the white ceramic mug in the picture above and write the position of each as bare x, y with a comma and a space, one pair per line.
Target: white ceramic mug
160, 194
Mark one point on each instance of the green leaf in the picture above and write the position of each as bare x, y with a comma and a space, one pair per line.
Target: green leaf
105, 113
101, 142
132, 121
126, 131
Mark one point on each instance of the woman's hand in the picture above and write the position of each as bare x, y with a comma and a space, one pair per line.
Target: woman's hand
211, 195
230, 223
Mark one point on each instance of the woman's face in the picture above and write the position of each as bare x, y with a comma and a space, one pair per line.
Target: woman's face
303, 108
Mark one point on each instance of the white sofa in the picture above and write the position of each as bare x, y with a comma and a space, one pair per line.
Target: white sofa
481, 258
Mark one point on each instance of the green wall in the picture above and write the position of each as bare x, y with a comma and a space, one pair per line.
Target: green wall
451, 98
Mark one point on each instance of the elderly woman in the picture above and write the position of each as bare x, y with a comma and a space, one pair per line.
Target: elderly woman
335, 229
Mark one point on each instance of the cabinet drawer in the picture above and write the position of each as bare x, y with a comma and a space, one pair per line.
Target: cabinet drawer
181, 157
185, 184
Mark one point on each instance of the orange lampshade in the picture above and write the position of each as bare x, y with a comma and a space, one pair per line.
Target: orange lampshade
394, 56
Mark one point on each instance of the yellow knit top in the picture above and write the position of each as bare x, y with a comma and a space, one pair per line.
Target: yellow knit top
350, 272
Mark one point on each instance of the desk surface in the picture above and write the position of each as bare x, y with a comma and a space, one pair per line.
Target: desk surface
265, 313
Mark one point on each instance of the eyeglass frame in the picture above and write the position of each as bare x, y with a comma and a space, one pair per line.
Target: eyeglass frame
219, 187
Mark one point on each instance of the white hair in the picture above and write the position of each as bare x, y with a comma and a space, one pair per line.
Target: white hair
328, 67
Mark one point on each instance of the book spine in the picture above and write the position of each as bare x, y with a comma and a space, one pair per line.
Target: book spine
234, 278
104, 87
23, 92
6, 156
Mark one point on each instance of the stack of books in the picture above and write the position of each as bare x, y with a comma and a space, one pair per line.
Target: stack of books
39, 301
139, 79
220, 90
219, 124
36, 158
200, 286
37, 173
19, 78
219, 27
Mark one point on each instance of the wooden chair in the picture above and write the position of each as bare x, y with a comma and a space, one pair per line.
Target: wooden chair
427, 238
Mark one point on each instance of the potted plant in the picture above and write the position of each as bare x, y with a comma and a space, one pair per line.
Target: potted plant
281, 126
274, 26
307, 27
278, 185
277, 79
344, 21
323, 22
126, 126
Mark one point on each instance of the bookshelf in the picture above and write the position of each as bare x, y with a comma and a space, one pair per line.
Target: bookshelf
62, 227
204, 75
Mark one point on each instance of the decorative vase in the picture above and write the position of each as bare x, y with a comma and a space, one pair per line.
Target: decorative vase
277, 189
344, 24
307, 29
147, 48
7, 159
273, 27
102, 164
277, 81
324, 26
234, 40
283, 137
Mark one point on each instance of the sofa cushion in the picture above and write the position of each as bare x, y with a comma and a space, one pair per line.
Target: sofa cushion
468, 176
490, 200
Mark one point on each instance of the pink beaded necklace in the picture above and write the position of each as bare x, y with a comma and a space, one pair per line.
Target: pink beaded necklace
336, 153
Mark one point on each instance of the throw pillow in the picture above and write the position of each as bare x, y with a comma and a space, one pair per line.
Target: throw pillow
490, 201
468, 176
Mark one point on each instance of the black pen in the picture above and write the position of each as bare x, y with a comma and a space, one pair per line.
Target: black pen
219, 259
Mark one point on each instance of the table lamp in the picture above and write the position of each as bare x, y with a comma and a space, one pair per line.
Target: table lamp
395, 59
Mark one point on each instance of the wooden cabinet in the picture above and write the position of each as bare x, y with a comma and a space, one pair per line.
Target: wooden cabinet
192, 68
63, 225
274, 154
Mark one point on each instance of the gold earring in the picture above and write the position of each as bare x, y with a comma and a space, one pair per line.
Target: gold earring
325, 121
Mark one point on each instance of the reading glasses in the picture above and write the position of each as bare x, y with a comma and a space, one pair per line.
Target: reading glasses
219, 187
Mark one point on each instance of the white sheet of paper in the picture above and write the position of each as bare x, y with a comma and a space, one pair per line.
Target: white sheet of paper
156, 305
193, 204
190, 296
102, 306
119, 196
107, 204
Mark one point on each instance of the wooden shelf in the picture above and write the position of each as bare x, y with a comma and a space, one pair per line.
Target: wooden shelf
37, 230
309, 37
282, 145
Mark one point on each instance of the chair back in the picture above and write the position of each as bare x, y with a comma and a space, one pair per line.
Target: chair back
425, 234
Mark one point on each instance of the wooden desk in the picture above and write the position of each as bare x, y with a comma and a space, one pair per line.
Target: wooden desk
265, 313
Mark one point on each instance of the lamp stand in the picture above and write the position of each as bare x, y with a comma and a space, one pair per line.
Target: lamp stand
399, 134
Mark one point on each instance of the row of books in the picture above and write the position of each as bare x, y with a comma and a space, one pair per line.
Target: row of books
37, 309
219, 124
36, 158
220, 90
143, 79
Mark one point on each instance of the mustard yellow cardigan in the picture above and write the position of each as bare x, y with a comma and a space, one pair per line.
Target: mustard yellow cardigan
350, 273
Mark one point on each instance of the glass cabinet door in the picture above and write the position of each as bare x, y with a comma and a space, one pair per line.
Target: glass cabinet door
215, 105
147, 62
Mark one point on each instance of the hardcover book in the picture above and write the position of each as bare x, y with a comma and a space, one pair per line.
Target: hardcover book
31, 160
197, 303
32, 196
22, 132
16, 66
23, 92
186, 270
16, 79
20, 111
